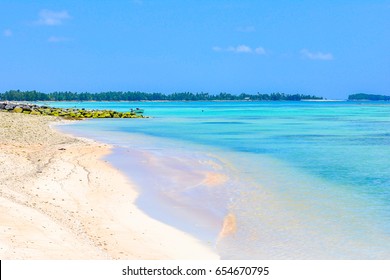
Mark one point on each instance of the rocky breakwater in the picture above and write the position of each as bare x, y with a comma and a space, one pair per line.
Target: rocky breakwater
67, 113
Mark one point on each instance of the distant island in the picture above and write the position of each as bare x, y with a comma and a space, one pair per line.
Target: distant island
17, 95
371, 97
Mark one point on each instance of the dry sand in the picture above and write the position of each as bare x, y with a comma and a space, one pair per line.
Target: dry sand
60, 200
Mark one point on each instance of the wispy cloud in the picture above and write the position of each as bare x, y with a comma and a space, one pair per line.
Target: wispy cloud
260, 50
240, 49
57, 39
47, 17
246, 29
7, 33
316, 55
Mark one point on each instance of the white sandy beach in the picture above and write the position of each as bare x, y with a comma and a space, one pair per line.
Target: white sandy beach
60, 200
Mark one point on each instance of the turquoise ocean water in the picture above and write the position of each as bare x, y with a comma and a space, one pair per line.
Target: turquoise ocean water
304, 180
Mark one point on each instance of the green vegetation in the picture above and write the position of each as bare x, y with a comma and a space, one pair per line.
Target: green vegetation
371, 97
17, 95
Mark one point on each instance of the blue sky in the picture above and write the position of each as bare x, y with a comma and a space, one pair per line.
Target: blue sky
326, 48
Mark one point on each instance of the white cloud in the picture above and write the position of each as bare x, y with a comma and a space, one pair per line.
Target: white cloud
57, 39
47, 17
260, 50
316, 55
241, 49
246, 29
7, 33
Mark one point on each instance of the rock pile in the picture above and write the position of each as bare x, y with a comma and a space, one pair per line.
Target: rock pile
68, 113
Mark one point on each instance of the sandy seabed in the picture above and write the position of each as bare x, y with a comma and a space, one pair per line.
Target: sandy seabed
59, 199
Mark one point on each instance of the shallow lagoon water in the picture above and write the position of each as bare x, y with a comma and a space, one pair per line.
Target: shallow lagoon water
307, 180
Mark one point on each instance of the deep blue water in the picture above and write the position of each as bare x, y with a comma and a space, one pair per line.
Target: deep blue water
303, 175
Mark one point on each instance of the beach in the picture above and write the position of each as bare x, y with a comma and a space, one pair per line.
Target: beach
246, 180
60, 199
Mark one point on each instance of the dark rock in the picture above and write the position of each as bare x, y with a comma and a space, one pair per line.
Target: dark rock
26, 108
68, 113
10, 106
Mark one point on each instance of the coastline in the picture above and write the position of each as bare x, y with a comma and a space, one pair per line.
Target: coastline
61, 200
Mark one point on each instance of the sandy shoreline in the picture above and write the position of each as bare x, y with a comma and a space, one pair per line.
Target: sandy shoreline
60, 200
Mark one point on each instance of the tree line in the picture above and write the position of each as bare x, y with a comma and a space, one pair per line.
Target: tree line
365, 96
17, 95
